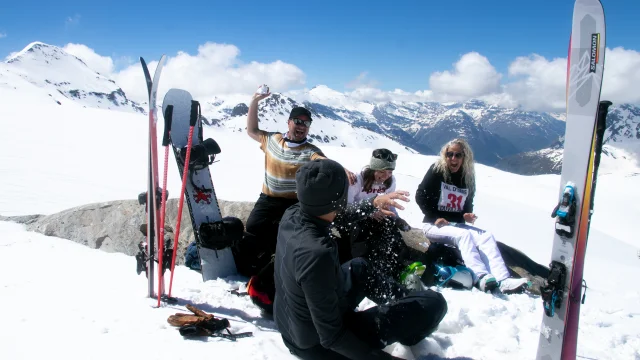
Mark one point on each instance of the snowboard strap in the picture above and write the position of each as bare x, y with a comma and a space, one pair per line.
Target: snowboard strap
553, 290
565, 212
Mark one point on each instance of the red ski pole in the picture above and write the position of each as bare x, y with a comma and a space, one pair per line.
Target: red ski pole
192, 122
168, 115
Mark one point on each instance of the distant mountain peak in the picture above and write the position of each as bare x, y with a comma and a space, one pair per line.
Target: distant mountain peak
42, 52
52, 68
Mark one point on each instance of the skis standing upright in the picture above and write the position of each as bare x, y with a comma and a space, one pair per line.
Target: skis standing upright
583, 141
152, 195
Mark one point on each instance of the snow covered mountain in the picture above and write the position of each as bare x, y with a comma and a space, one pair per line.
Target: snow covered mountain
515, 140
494, 132
620, 150
52, 68
523, 142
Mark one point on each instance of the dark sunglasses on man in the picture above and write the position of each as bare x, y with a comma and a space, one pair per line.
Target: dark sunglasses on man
457, 155
297, 121
388, 156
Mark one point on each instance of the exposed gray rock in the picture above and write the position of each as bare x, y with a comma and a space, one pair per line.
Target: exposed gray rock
115, 227
23, 219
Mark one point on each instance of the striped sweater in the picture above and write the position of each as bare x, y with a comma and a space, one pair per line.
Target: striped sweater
281, 163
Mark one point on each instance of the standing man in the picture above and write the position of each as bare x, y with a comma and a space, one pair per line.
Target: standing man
284, 153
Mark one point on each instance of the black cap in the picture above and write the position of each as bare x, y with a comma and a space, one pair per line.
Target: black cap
322, 187
297, 111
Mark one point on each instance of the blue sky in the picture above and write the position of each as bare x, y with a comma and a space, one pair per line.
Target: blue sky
398, 43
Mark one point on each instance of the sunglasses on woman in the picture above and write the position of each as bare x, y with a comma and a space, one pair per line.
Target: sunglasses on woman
385, 156
457, 155
297, 121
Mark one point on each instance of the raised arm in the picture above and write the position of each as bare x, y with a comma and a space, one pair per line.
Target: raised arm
253, 128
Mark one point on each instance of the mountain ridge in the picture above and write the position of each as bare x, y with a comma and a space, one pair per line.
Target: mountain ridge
511, 139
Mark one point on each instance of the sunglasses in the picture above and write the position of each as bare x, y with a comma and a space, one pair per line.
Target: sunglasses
386, 156
297, 121
457, 155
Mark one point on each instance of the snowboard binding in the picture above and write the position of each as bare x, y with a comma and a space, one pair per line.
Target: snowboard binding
202, 155
553, 290
221, 234
142, 257
565, 211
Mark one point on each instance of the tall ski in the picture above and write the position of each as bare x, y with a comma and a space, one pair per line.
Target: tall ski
153, 225
562, 292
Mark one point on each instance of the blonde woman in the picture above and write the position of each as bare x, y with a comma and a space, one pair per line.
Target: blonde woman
445, 197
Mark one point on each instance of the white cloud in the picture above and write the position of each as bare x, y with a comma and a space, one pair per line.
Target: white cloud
533, 82
215, 70
375, 95
3, 35
621, 76
472, 76
538, 83
361, 81
101, 64
542, 83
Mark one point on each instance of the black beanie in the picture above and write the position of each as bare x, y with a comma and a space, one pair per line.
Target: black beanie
322, 187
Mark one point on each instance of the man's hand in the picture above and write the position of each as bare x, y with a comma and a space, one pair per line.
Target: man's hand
257, 96
386, 201
352, 177
441, 222
469, 217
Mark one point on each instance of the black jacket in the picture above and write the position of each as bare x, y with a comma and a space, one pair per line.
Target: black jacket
438, 199
311, 288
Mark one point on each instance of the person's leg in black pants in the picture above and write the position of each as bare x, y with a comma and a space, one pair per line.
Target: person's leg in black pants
258, 244
265, 218
406, 320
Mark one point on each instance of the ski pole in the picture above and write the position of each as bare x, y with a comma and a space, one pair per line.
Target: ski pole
168, 115
185, 171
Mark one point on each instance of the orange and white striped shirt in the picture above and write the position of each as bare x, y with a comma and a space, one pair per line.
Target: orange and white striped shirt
281, 163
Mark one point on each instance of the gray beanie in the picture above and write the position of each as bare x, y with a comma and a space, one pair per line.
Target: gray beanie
381, 164
322, 187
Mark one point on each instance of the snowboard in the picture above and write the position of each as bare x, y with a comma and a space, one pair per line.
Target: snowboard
583, 140
209, 228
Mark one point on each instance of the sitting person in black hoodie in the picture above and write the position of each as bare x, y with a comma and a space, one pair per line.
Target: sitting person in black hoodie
446, 198
316, 297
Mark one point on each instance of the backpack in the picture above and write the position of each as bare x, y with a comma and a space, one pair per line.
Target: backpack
439, 256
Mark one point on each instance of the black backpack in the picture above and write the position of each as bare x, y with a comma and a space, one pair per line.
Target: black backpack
441, 254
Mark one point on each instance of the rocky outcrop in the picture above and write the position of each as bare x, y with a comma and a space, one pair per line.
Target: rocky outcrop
115, 227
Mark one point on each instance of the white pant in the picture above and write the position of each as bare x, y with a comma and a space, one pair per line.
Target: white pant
478, 248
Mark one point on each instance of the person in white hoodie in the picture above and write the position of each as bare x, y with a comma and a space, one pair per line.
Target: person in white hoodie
376, 238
